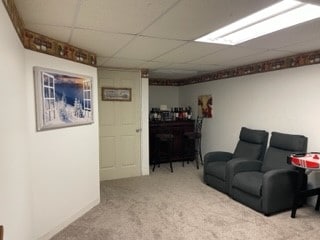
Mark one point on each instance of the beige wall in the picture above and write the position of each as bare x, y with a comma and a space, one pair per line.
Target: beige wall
64, 162
47, 179
163, 95
15, 194
285, 101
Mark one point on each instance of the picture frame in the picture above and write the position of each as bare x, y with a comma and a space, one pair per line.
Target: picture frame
62, 99
205, 106
116, 94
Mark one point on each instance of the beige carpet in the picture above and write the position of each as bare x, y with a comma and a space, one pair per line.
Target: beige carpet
179, 205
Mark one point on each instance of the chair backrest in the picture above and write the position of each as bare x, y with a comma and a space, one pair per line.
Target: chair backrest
252, 144
281, 145
198, 124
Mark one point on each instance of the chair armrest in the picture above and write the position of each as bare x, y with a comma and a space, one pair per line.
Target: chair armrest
238, 165
279, 187
217, 156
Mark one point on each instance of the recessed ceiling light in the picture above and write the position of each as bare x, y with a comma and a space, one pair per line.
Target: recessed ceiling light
282, 15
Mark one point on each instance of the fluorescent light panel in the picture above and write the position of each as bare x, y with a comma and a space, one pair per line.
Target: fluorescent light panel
282, 15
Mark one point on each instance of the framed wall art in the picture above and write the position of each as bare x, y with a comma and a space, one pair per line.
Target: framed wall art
115, 94
205, 106
62, 99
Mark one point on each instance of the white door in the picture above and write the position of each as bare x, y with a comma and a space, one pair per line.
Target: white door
120, 126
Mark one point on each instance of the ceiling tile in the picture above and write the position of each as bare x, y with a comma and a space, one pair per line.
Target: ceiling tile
190, 19
158, 35
301, 47
189, 52
154, 65
104, 44
125, 16
123, 63
50, 12
59, 33
223, 57
172, 73
146, 48
289, 36
102, 60
260, 57
199, 67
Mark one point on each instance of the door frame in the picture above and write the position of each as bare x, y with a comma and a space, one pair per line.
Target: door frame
144, 126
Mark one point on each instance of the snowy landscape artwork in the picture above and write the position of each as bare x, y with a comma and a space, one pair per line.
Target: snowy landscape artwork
62, 99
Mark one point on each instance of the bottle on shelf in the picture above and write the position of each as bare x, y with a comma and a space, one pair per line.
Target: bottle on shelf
189, 113
180, 113
176, 113
172, 115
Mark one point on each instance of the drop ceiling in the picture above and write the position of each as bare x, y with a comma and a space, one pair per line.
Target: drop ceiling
158, 34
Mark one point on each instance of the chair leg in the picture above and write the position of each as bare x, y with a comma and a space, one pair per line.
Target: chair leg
154, 165
200, 152
171, 153
197, 162
318, 203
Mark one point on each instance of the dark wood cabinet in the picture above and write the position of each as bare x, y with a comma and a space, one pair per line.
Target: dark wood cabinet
177, 128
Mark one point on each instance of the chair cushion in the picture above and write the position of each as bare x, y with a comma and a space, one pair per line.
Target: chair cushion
252, 144
247, 150
217, 169
253, 136
289, 142
282, 145
249, 182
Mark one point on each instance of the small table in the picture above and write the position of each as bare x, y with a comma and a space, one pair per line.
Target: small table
306, 163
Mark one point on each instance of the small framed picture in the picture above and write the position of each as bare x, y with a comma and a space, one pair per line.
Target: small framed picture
116, 94
205, 106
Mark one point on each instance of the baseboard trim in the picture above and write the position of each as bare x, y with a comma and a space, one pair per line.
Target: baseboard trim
71, 219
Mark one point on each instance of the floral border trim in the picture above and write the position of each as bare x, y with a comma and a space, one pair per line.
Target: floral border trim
15, 17
144, 73
41, 43
298, 60
44, 44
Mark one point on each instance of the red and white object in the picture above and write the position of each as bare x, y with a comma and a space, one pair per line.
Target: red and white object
307, 160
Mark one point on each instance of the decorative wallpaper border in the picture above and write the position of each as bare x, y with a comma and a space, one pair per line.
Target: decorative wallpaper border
298, 60
15, 17
144, 73
44, 44
41, 43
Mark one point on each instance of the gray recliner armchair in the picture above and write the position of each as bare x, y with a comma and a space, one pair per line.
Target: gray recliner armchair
268, 186
251, 145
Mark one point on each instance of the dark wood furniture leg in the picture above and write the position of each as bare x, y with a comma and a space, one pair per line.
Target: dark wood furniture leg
318, 202
297, 200
301, 195
1, 232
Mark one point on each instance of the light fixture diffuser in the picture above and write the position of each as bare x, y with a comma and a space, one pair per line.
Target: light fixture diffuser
282, 15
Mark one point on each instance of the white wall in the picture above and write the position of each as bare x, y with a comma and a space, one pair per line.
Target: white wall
163, 95
15, 195
64, 162
285, 101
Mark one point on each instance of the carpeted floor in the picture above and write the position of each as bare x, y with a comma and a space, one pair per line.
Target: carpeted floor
180, 206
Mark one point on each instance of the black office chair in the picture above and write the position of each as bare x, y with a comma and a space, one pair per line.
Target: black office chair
192, 142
